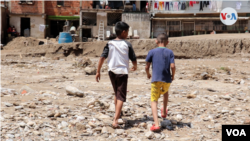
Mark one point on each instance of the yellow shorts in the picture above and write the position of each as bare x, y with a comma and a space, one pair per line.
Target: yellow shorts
158, 88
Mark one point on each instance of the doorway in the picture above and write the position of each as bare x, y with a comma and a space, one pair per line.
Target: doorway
188, 28
25, 23
143, 6
86, 33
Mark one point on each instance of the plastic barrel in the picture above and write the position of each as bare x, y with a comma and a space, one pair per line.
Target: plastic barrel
65, 37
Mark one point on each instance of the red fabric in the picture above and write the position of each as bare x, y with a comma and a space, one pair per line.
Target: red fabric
155, 4
191, 3
194, 2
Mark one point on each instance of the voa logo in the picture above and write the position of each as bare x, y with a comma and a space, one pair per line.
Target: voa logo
236, 132
228, 16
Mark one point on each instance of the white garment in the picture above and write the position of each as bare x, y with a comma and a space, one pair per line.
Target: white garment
238, 5
41, 27
219, 6
118, 56
213, 5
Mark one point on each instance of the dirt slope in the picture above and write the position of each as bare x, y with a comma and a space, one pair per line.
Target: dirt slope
202, 46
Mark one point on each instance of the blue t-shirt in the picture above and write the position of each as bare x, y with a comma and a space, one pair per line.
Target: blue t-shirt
161, 59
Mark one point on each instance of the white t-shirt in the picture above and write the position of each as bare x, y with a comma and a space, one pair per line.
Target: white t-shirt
238, 5
118, 53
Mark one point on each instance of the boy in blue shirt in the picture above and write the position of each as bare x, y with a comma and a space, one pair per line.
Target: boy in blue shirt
162, 60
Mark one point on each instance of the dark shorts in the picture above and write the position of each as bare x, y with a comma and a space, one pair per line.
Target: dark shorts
119, 83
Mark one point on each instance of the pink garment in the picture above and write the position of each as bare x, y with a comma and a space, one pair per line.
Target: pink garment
176, 4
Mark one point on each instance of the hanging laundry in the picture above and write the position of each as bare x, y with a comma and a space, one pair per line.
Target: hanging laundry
206, 3
194, 2
179, 5
176, 4
41, 27
156, 4
210, 5
238, 5
167, 6
191, 3
171, 6
219, 6
201, 6
187, 4
183, 6
161, 5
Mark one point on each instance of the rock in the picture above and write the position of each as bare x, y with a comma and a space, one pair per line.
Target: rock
74, 91
231, 112
191, 96
90, 70
224, 111
32, 106
110, 130
7, 104
18, 107
5, 91
149, 135
195, 92
242, 82
226, 97
111, 108
102, 116
120, 121
36, 133
211, 90
64, 124
47, 102
25, 89
92, 124
57, 114
143, 125
50, 114
174, 122
238, 109
80, 127
157, 136
247, 121
249, 87
166, 123
30, 123
22, 124
119, 131
105, 130
179, 117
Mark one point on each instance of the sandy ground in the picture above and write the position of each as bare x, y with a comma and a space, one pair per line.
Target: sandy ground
218, 89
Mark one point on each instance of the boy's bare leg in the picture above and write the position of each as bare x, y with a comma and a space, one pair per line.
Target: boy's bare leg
118, 110
154, 111
165, 103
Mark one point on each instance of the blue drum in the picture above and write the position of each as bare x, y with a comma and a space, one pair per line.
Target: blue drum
65, 37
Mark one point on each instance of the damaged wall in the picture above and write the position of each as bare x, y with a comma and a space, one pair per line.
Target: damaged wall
143, 28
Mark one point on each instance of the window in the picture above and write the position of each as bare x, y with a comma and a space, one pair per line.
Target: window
26, 2
61, 3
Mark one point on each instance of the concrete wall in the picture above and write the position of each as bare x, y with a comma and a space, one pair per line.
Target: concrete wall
245, 8
3, 25
35, 21
139, 22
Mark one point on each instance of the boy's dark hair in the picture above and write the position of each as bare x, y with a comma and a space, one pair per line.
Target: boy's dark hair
120, 26
161, 38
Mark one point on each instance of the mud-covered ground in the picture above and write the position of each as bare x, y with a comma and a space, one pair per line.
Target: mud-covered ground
206, 94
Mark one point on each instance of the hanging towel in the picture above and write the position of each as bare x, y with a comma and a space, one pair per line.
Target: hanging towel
41, 27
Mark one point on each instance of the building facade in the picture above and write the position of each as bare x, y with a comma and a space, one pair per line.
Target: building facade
29, 15
195, 18
132, 12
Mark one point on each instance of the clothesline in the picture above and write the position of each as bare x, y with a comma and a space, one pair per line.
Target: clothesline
213, 5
